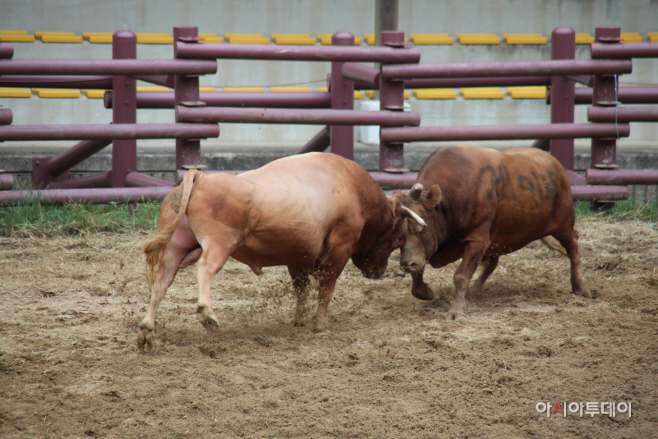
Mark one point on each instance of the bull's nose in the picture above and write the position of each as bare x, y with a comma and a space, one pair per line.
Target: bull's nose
374, 274
409, 266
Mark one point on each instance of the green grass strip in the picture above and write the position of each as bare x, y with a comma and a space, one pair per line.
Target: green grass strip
42, 220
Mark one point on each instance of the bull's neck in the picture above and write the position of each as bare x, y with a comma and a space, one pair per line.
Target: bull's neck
440, 225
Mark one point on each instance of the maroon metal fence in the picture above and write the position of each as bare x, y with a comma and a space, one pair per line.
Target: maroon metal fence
198, 113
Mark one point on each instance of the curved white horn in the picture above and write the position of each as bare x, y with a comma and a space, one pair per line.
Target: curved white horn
414, 216
415, 191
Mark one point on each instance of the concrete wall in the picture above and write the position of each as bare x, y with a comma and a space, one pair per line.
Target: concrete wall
313, 17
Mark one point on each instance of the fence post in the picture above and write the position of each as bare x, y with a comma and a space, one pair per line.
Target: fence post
563, 46
391, 98
604, 94
124, 110
342, 98
186, 92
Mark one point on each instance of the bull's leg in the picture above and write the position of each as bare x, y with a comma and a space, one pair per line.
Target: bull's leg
570, 244
212, 260
489, 264
327, 279
338, 251
300, 283
163, 279
473, 253
419, 288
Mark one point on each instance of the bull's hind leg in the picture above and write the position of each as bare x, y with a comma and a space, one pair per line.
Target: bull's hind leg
300, 283
489, 264
212, 260
163, 279
570, 243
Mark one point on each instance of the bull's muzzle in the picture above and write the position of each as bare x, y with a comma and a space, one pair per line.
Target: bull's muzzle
376, 274
410, 266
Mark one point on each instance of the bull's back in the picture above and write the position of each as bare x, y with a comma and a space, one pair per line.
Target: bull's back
299, 200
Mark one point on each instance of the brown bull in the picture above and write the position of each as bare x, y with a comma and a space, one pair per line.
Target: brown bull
310, 212
480, 204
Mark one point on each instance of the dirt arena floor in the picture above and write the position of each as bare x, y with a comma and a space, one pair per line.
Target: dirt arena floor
388, 366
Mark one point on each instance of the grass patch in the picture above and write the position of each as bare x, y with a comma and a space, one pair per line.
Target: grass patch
42, 220
630, 209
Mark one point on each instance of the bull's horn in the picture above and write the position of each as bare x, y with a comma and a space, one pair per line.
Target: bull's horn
408, 213
415, 191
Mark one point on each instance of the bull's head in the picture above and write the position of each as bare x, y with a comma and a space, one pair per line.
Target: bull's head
373, 259
419, 207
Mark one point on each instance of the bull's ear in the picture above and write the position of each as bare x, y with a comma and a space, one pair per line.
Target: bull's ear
396, 208
434, 195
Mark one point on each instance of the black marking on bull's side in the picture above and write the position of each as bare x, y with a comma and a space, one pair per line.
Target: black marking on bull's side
525, 183
545, 184
548, 183
500, 182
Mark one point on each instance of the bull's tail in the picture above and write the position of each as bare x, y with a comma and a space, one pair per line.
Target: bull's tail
553, 244
156, 247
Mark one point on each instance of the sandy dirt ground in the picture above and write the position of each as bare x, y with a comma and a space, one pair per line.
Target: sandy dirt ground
388, 366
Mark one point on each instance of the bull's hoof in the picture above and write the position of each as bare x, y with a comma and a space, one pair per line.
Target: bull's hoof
207, 318
423, 292
583, 292
454, 314
319, 327
145, 337
298, 322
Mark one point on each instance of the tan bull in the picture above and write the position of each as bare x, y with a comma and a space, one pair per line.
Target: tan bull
310, 212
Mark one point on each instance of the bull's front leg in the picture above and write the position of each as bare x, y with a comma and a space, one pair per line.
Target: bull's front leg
419, 288
329, 268
473, 253
326, 291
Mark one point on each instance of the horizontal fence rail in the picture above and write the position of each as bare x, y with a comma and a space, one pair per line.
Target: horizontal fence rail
311, 117
477, 82
594, 193
296, 53
6, 50
505, 132
165, 99
93, 196
622, 176
511, 68
93, 82
623, 51
6, 116
107, 67
6, 182
625, 95
109, 132
622, 114
363, 75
